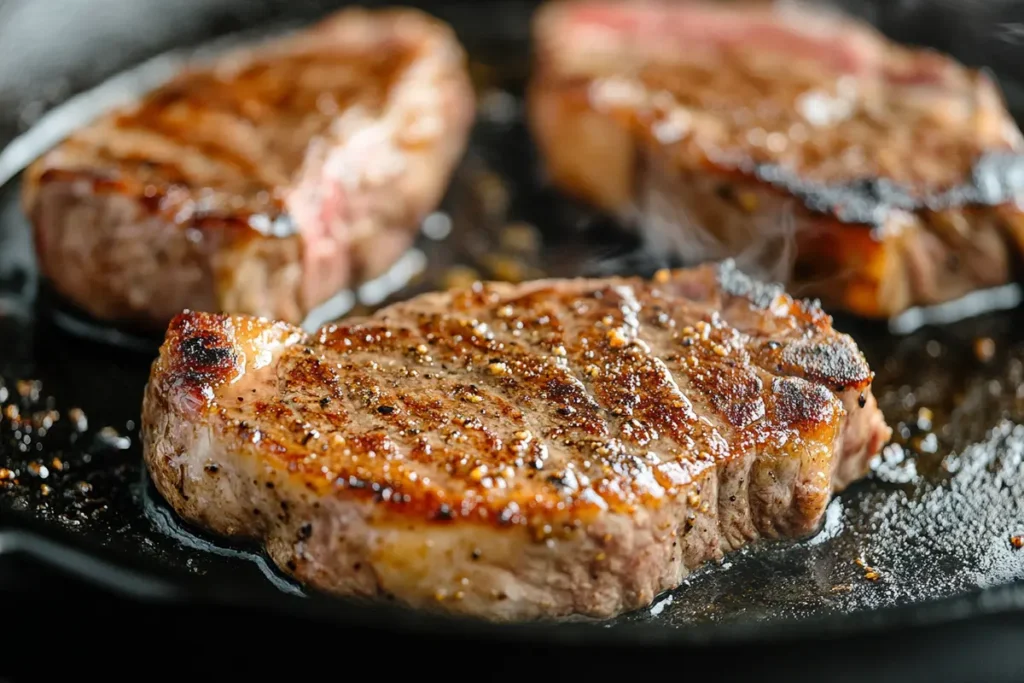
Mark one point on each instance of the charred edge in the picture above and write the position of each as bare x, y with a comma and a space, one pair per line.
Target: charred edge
803, 405
835, 362
996, 178
205, 358
204, 351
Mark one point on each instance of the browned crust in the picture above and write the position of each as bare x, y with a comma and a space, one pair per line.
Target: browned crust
858, 237
413, 409
381, 54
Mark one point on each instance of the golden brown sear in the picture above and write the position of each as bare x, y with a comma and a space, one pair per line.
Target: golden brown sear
659, 423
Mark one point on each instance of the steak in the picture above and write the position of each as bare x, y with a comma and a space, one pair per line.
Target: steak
802, 144
554, 449
262, 182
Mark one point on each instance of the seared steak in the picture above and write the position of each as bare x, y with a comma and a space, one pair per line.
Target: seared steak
556, 448
261, 183
804, 145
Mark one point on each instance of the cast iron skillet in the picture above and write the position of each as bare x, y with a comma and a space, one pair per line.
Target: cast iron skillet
914, 571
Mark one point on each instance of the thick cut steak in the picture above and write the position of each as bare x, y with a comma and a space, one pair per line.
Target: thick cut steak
260, 183
804, 145
544, 450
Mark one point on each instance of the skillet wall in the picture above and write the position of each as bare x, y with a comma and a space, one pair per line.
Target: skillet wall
50, 49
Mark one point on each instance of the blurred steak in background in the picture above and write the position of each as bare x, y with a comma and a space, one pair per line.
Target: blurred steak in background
798, 140
263, 183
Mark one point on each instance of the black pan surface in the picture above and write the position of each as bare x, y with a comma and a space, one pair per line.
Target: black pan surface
928, 539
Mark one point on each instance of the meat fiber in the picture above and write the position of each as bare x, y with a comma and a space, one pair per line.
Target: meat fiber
543, 450
261, 183
805, 145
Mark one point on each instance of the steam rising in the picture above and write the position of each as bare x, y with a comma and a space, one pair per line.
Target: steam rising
762, 245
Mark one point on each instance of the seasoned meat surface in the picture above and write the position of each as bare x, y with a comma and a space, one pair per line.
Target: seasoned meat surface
805, 145
260, 183
544, 450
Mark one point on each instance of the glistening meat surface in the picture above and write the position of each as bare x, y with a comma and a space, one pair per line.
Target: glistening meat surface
261, 183
550, 449
803, 144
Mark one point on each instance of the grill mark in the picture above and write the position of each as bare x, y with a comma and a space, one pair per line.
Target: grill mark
748, 442
731, 447
590, 432
625, 371
649, 360
487, 444
185, 136
746, 436
272, 427
271, 86
364, 410
686, 378
527, 370
588, 422
189, 115
671, 346
482, 445
174, 202
172, 156
671, 422
648, 369
609, 428
624, 477
537, 344
736, 398
303, 373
